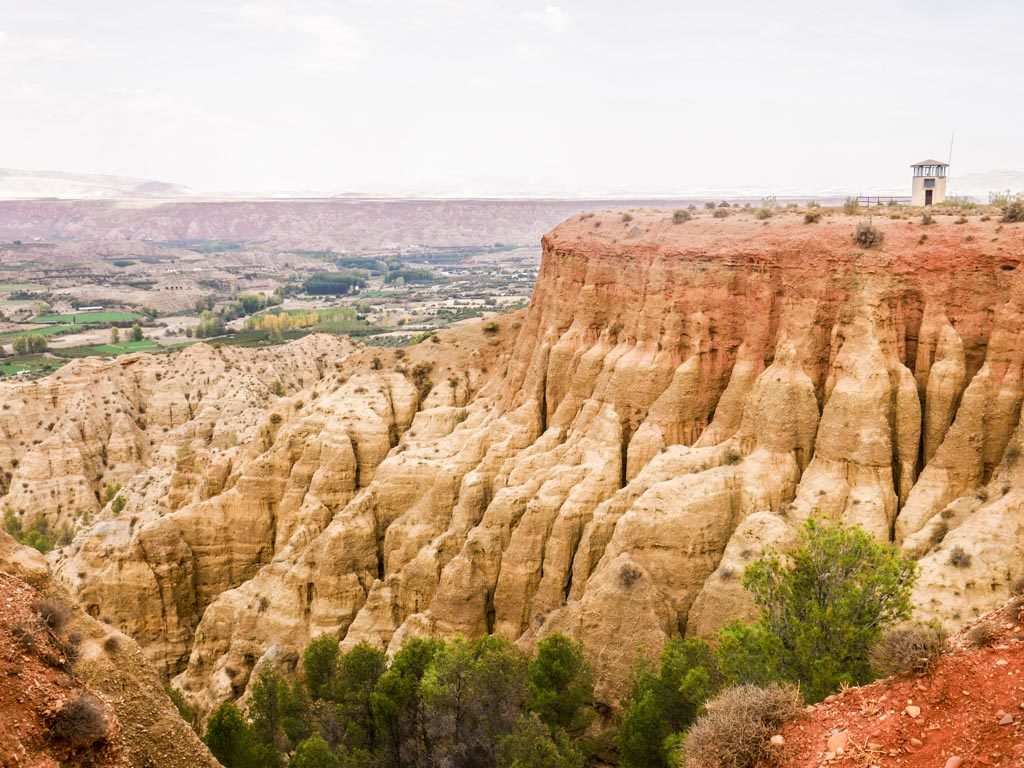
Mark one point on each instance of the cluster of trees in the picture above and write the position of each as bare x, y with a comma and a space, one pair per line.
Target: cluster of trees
29, 343
476, 704
37, 534
484, 703
212, 323
333, 283
134, 334
403, 275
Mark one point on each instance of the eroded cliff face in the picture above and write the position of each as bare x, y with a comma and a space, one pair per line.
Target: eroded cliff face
679, 397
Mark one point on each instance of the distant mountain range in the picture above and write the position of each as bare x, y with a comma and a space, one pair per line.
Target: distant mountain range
28, 185
34, 185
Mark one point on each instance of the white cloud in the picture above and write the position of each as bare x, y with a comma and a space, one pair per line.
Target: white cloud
552, 17
326, 43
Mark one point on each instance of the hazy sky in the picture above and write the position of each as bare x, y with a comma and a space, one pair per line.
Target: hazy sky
484, 97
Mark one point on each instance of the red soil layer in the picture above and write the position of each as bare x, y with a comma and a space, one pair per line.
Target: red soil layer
35, 685
964, 705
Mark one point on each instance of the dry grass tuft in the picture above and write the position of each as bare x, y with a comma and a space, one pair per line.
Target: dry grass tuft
81, 722
735, 731
982, 635
910, 648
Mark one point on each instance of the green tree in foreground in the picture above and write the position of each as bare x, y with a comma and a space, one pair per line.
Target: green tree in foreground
561, 685
531, 745
318, 662
115, 335
135, 334
827, 603
314, 752
666, 700
228, 737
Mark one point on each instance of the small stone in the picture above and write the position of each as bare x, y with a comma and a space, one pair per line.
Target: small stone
778, 740
1002, 663
954, 762
1006, 720
837, 741
913, 711
916, 743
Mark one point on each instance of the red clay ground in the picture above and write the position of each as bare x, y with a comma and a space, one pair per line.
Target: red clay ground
35, 685
965, 706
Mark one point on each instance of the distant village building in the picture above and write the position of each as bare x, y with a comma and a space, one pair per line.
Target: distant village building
929, 182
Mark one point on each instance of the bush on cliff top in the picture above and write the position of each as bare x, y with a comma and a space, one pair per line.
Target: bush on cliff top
867, 235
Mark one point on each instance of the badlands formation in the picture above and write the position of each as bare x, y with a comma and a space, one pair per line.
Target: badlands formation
676, 399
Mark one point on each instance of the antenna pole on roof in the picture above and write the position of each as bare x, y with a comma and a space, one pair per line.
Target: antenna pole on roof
949, 161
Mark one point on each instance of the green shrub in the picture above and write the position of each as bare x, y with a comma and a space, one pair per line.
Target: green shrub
828, 603
679, 216
721, 213
748, 654
812, 216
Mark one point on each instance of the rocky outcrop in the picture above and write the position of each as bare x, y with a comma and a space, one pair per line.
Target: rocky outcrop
678, 398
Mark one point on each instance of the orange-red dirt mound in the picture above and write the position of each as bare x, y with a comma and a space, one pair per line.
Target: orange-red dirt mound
968, 711
42, 722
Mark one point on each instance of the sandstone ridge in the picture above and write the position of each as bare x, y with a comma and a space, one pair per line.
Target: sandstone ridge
677, 398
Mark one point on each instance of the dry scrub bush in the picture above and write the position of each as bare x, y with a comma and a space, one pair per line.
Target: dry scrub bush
910, 648
812, 216
939, 531
680, 215
629, 574
54, 613
736, 729
982, 635
1017, 586
82, 721
867, 236
959, 558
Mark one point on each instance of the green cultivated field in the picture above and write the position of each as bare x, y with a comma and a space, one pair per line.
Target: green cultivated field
12, 365
86, 318
107, 350
9, 287
46, 330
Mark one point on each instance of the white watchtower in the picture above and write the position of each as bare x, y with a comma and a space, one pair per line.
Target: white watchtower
929, 182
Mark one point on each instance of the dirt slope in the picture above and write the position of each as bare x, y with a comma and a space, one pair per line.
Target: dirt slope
971, 707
